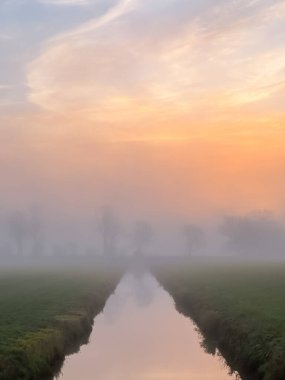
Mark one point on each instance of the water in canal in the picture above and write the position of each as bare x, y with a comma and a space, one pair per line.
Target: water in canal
141, 336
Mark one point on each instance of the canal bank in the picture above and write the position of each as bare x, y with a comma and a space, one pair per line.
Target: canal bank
46, 314
240, 311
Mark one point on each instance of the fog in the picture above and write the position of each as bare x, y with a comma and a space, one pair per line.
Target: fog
36, 232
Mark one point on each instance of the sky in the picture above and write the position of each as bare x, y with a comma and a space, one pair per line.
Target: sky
157, 107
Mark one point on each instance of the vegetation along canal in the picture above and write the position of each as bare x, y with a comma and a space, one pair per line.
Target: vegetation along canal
140, 335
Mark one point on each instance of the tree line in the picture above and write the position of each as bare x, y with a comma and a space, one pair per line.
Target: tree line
254, 235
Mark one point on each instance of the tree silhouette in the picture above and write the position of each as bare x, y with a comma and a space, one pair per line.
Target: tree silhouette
110, 228
17, 230
36, 230
194, 236
257, 234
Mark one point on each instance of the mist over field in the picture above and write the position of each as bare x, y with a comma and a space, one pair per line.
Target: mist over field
36, 232
142, 190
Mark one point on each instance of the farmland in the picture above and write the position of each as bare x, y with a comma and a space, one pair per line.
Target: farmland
240, 310
47, 313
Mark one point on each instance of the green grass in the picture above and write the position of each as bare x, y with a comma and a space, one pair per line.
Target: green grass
44, 313
240, 308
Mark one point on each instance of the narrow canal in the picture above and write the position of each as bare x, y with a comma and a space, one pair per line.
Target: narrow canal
141, 336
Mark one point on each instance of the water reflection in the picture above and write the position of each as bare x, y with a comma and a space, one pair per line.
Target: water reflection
140, 336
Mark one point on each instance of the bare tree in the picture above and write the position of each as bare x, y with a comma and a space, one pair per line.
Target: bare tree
36, 229
110, 228
257, 234
17, 230
194, 236
142, 236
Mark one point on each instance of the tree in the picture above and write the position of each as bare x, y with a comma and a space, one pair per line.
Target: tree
110, 227
194, 236
36, 229
17, 230
256, 235
142, 236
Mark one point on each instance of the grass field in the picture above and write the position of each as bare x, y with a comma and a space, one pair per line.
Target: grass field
45, 313
239, 308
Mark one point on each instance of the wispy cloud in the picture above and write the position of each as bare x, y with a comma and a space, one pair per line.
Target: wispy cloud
50, 2
6, 37
5, 87
65, 2
147, 105
190, 57
120, 8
